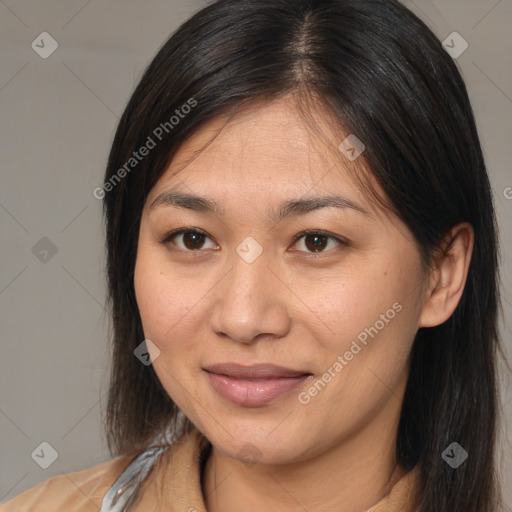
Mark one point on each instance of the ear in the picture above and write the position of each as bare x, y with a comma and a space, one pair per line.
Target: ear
447, 280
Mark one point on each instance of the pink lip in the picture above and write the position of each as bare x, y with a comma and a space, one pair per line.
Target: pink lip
253, 386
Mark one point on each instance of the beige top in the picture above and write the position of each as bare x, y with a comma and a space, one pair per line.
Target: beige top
174, 485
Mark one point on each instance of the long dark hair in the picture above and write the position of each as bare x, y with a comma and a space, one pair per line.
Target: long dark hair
385, 77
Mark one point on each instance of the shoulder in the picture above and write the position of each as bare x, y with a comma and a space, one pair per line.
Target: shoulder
81, 491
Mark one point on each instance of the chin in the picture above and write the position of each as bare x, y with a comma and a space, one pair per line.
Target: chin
252, 445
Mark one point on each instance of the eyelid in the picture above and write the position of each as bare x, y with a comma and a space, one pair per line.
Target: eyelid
321, 232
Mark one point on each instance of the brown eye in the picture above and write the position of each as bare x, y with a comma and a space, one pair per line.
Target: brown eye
191, 239
317, 241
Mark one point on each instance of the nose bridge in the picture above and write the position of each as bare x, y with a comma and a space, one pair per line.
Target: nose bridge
248, 270
249, 302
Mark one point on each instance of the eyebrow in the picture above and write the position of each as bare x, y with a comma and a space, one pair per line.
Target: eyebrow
288, 208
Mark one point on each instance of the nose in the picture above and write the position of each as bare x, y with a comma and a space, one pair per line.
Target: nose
251, 302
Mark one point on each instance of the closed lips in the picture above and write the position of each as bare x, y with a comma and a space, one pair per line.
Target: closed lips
255, 372
253, 386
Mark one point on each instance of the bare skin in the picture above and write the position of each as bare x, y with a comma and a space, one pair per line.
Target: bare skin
202, 303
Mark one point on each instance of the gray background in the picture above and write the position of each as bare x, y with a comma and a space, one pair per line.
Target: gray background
57, 117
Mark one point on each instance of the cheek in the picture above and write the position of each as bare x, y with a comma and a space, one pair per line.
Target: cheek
161, 301
169, 301
166, 308
358, 298
372, 315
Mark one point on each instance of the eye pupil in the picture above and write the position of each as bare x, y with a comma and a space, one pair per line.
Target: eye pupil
318, 243
196, 239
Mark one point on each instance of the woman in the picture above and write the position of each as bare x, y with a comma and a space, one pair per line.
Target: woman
302, 265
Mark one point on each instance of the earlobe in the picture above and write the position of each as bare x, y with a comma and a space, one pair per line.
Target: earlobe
448, 278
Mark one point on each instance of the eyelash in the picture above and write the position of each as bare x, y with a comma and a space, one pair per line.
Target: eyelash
169, 236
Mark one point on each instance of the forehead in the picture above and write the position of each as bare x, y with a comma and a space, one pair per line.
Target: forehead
271, 147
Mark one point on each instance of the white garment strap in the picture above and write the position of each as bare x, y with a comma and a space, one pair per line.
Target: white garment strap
118, 496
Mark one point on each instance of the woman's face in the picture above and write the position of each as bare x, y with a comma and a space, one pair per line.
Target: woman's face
337, 311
